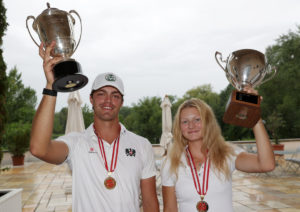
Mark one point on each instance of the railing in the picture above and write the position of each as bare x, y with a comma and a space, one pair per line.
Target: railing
280, 141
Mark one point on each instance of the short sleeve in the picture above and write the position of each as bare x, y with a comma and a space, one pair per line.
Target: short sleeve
167, 179
71, 141
149, 169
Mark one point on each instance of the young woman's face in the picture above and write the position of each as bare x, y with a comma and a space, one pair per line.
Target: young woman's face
191, 124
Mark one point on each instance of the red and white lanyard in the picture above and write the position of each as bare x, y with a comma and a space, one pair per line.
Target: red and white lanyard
114, 157
196, 180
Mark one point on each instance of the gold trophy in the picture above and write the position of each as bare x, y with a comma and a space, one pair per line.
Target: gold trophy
245, 67
57, 25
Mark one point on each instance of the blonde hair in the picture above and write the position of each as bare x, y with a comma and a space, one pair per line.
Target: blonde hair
213, 140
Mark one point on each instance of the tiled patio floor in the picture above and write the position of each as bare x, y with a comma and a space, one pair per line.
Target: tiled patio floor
47, 187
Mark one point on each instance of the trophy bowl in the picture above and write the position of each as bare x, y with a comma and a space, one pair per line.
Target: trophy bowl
57, 25
245, 67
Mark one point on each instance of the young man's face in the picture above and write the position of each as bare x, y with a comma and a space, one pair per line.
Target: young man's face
107, 102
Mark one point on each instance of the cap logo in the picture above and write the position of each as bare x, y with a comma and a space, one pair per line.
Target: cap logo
110, 77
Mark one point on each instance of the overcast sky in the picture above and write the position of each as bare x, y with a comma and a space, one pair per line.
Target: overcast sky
158, 47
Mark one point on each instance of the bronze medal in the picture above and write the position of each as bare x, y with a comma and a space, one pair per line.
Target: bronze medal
110, 183
202, 206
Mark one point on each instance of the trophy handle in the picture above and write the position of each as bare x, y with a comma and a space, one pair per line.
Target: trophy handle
271, 69
31, 17
73, 11
220, 56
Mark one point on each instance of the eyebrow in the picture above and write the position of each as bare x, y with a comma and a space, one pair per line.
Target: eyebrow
114, 92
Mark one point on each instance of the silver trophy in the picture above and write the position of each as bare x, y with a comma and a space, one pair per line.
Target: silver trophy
57, 25
245, 67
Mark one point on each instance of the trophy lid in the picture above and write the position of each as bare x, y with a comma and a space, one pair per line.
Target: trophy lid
47, 15
50, 11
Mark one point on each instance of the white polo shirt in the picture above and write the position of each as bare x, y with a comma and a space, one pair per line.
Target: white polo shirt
219, 193
135, 162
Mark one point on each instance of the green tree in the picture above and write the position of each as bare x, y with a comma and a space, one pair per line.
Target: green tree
20, 104
203, 92
3, 79
282, 93
17, 136
145, 118
60, 121
273, 123
88, 115
21, 100
125, 111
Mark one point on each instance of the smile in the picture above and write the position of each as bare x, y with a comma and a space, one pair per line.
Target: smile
192, 132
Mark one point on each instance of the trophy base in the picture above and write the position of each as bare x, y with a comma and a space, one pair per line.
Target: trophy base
242, 109
68, 76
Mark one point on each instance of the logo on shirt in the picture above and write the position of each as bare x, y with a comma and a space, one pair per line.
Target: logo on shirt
130, 152
92, 150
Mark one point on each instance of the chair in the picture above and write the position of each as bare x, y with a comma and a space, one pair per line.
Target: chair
250, 148
294, 161
289, 164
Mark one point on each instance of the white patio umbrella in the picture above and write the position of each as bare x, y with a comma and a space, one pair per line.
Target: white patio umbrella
75, 121
166, 137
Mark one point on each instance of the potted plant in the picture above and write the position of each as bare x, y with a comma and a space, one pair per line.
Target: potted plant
17, 136
274, 123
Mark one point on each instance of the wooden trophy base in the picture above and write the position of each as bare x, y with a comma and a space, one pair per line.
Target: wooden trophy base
242, 109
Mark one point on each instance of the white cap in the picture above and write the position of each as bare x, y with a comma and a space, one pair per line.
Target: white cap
108, 79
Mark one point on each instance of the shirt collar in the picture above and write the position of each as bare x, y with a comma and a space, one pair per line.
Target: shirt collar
183, 159
91, 133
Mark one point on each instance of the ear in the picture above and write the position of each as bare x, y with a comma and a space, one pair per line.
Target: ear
91, 100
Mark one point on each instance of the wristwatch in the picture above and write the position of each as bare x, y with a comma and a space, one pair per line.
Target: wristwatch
49, 92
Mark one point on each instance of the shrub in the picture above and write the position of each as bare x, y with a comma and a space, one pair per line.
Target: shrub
17, 137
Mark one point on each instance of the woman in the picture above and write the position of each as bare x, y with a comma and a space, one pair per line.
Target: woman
197, 172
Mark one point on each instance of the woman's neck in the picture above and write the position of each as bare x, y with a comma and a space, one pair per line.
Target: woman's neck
195, 149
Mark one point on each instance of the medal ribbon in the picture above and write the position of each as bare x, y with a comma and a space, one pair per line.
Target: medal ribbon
114, 157
196, 180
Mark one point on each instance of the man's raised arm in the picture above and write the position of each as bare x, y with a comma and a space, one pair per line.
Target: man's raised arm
41, 144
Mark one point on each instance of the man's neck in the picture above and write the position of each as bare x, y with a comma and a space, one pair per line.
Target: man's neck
107, 130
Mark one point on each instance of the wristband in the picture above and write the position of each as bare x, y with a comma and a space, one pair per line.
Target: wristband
49, 92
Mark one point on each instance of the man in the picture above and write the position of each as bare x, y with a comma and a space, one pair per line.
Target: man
110, 165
